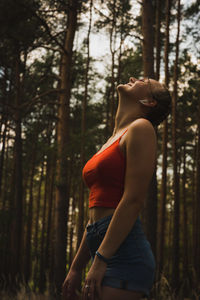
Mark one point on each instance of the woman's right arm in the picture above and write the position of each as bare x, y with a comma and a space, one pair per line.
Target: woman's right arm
72, 281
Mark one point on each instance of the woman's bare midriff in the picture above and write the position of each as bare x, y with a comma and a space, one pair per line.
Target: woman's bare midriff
97, 213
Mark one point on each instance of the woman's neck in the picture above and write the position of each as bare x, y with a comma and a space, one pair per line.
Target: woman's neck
124, 118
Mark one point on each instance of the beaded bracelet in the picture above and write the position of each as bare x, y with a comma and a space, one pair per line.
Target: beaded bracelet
106, 260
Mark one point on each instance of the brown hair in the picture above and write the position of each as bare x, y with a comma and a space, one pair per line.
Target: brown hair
162, 109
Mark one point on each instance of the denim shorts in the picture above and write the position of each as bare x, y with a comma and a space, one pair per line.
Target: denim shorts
132, 267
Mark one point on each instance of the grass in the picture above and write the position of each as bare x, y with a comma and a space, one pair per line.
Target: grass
164, 292
23, 295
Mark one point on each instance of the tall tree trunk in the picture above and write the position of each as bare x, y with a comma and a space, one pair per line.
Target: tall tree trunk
112, 50
50, 205
52, 251
119, 59
157, 39
4, 228
3, 142
148, 38
163, 191
71, 233
148, 65
185, 216
6, 203
197, 203
3, 123
107, 106
28, 260
176, 246
194, 165
42, 281
17, 190
83, 130
37, 217
62, 193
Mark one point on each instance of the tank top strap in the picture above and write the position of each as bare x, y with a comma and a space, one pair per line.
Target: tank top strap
122, 134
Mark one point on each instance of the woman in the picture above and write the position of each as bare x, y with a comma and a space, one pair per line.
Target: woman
118, 177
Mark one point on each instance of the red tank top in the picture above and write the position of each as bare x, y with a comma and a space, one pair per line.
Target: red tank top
104, 175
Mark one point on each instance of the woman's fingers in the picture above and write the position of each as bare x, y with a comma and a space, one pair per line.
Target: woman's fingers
67, 291
88, 292
92, 291
85, 290
98, 290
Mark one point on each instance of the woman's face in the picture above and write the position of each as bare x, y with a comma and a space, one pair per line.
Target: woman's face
138, 89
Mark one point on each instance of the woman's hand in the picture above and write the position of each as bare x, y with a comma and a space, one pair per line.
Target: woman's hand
71, 285
92, 287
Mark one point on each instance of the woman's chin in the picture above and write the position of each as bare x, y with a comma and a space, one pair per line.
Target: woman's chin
121, 86
124, 89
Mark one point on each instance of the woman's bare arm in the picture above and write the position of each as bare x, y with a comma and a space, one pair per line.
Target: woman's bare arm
82, 256
72, 282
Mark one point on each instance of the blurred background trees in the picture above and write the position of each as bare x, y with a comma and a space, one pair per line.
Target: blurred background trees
60, 63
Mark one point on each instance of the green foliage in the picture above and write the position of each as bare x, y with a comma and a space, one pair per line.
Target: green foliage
118, 18
131, 64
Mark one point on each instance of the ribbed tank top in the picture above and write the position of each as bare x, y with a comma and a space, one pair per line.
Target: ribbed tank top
104, 175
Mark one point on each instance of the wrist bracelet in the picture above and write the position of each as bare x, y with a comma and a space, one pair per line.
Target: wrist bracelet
106, 260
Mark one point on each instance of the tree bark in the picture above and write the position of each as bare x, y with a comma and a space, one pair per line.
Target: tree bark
112, 50
148, 38
176, 225
71, 233
83, 131
3, 142
157, 39
163, 192
4, 228
42, 281
185, 215
50, 205
37, 217
17, 193
28, 253
62, 192
148, 65
197, 203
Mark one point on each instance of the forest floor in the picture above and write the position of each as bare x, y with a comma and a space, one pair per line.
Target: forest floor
23, 296
31, 296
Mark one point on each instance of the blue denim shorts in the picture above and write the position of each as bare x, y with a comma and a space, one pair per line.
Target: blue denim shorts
132, 267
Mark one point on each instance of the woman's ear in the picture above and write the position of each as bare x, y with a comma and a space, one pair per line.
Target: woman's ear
147, 102
144, 101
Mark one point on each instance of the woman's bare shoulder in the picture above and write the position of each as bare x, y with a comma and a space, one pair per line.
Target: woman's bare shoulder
141, 126
141, 123
141, 129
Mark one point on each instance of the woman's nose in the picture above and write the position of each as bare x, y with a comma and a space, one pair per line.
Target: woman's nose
132, 79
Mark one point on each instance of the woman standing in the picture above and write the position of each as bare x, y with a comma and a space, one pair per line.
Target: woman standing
118, 177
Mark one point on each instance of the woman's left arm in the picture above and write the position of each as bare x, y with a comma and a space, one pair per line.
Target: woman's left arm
140, 163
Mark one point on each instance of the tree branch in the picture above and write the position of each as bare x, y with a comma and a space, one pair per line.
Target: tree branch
36, 98
43, 22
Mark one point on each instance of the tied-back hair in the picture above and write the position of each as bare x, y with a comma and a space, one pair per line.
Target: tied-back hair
162, 109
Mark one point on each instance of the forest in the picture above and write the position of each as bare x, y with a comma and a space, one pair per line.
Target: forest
60, 63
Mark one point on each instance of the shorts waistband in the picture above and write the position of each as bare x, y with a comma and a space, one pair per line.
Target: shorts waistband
100, 222
106, 220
